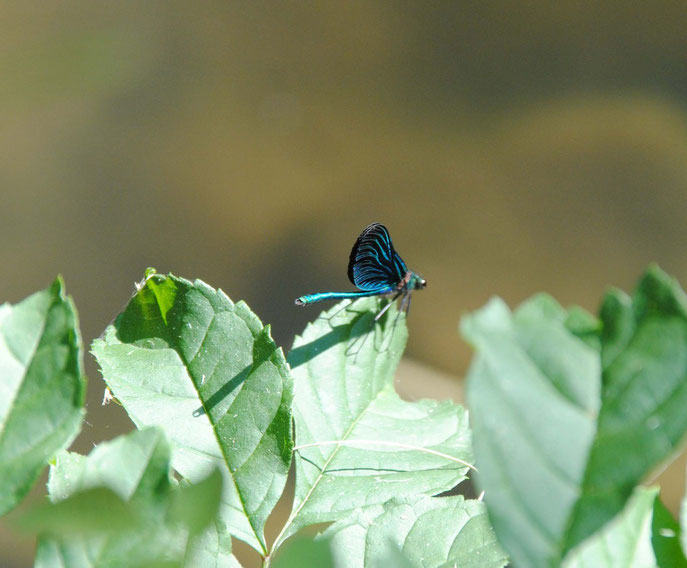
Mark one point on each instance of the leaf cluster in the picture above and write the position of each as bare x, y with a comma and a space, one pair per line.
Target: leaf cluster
569, 414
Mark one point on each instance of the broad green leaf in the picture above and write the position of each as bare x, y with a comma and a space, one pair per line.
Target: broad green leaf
42, 387
568, 420
133, 465
196, 506
532, 407
665, 537
184, 357
625, 542
642, 418
300, 552
683, 523
395, 558
428, 531
82, 515
358, 443
212, 548
120, 507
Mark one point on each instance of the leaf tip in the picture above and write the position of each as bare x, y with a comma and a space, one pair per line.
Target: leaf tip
58, 287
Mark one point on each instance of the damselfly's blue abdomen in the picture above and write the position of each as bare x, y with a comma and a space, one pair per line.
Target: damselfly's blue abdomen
376, 269
312, 298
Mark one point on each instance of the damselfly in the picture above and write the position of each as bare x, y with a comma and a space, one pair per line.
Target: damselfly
377, 270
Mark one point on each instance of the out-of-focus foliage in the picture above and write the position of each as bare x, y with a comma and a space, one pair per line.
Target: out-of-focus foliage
569, 413
42, 387
119, 506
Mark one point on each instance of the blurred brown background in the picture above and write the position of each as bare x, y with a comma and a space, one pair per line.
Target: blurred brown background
509, 147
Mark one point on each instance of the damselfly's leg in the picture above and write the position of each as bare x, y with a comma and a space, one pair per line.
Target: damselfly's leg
385, 308
405, 304
358, 343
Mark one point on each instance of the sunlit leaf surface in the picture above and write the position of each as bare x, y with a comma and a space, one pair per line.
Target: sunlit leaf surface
427, 531
42, 387
184, 357
358, 443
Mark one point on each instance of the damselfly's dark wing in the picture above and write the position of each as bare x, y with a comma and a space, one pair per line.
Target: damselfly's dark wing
374, 265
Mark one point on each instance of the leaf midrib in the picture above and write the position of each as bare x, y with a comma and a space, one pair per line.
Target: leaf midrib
215, 433
225, 459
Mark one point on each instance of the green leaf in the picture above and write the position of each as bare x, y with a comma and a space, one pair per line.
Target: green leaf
42, 387
81, 514
642, 418
683, 523
532, 411
133, 466
120, 507
665, 537
197, 505
359, 444
184, 357
567, 420
623, 543
212, 548
428, 531
395, 558
301, 552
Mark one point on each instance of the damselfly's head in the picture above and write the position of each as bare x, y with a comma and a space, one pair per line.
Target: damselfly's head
416, 282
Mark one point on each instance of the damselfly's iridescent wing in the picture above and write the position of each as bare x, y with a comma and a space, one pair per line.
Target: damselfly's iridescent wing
374, 265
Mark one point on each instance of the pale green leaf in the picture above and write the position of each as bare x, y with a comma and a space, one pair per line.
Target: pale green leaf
184, 357
212, 548
429, 532
119, 506
642, 419
358, 443
300, 552
625, 542
81, 515
531, 431
42, 387
569, 415
683, 522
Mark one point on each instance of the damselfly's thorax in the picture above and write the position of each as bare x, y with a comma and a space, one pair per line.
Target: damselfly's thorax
410, 282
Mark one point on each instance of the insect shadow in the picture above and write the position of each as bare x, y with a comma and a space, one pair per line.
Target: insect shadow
381, 331
225, 390
263, 349
338, 334
355, 332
